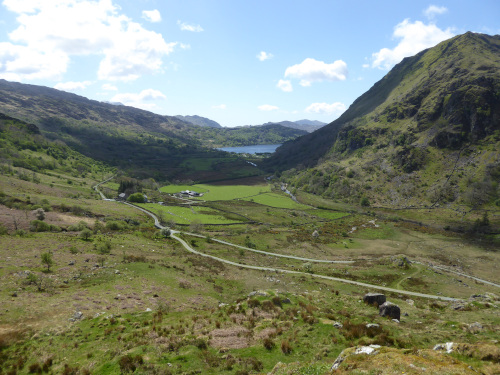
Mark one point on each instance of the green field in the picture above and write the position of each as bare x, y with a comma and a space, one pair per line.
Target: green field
219, 193
326, 214
276, 200
186, 215
172, 189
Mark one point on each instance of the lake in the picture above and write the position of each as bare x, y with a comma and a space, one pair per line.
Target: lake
253, 149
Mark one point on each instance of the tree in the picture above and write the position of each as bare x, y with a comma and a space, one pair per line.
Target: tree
365, 202
47, 260
86, 234
40, 214
165, 232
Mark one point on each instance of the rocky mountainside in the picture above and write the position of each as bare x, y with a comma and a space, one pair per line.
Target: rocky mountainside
428, 133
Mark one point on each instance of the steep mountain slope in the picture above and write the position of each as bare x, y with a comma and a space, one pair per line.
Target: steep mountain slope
427, 133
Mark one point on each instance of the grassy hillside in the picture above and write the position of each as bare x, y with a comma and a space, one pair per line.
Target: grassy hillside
426, 135
138, 142
118, 297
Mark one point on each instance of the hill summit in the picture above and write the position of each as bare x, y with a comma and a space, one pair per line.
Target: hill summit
425, 134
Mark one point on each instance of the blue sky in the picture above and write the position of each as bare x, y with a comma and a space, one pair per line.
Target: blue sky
236, 62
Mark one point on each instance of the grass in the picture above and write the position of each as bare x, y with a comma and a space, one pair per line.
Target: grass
172, 189
218, 193
202, 320
186, 215
275, 200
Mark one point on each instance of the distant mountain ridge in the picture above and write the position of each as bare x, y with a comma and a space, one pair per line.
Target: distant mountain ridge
307, 125
200, 121
137, 141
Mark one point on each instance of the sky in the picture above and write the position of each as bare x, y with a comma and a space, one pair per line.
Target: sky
235, 62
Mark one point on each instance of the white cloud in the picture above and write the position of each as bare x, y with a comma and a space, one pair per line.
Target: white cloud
151, 15
434, 10
51, 32
72, 86
186, 27
311, 70
141, 99
109, 87
21, 62
220, 106
414, 37
285, 85
263, 56
336, 108
267, 107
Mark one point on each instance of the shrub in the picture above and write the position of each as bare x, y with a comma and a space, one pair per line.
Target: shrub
365, 202
129, 363
268, 343
136, 198
253, 302
277, 301
3, 230
39, 226
35, 368
103, 247
115, 225
286, 348
254, 364
267, 306
78, 227
165, 232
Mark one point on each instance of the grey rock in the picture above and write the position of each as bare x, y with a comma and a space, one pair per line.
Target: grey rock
257, 293
390, 310
372, 325
337, 325
372, 298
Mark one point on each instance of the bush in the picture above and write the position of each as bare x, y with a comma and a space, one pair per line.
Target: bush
136, 198
115, 225
253, 302
78, 227
286, 348
365, 202
42, 226
268, 343
103, 247
129, 363
3, 230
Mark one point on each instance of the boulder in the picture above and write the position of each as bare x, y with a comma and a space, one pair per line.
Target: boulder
372, 298
390, 310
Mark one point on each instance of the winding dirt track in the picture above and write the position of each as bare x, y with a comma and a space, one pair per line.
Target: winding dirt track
174, 235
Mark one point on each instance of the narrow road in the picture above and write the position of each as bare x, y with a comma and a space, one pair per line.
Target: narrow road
345, 281
465, 275
96, 187
272, 254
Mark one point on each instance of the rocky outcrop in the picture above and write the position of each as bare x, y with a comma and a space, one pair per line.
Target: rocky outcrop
374, 298
390, 310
